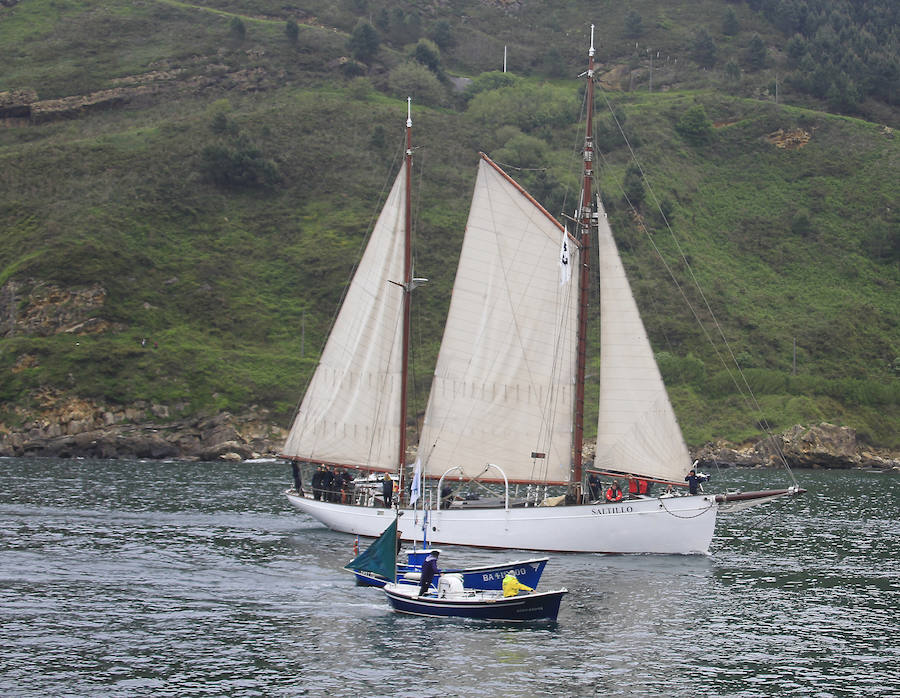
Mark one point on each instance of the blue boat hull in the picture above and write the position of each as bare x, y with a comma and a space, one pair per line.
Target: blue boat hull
528, 572
526, 607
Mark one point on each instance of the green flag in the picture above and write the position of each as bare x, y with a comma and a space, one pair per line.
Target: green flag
381, 556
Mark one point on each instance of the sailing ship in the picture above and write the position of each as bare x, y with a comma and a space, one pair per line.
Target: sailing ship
507, 399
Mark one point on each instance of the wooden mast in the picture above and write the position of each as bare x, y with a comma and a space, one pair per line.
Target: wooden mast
585, 221
407, 290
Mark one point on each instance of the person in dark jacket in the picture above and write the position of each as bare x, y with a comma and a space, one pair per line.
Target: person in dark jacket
387, 490
317, 482
346, 484
429, 570
594, 486
693, 480
295, 470
328, 485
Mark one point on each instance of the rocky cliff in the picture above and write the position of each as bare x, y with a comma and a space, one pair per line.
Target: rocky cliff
821, 446
68, 427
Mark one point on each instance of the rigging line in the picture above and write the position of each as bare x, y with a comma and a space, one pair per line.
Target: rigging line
576, 153
782, 504
419, 323
507, 166
681, 253
517, 333
679, 516
749, 396
556, 391
626, 244
382, 405
514, 314
382, 197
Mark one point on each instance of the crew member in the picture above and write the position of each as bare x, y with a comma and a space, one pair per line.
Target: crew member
387, 490
429, 570
512, 586
613, 493
693, 480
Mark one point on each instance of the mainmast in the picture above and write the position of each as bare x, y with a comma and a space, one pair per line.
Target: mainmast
407, 290
586, 218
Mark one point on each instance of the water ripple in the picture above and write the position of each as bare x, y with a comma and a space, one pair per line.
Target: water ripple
170, 579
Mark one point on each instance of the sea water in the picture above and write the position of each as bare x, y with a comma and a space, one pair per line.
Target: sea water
136, 578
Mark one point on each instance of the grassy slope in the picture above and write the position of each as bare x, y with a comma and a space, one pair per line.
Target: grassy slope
237, 287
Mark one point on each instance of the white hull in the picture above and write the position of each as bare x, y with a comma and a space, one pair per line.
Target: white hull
680, 525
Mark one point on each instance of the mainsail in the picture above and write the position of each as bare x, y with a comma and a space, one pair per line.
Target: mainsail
503, 386
636, 431
350, 413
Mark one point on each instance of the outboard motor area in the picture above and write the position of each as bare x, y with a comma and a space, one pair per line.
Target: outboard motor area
450, 584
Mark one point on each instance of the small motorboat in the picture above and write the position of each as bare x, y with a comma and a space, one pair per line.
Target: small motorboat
481, 577
452, 599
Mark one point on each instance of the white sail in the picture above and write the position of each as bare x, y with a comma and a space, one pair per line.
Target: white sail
637, 431
350, 413
504, 382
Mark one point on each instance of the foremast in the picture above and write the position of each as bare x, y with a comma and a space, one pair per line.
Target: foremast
586, 220
407, 291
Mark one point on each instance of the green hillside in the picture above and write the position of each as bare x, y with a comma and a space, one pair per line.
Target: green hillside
214, 167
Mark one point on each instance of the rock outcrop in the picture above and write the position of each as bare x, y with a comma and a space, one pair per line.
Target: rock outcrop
37, 308
72, 428
67, 427
822, 446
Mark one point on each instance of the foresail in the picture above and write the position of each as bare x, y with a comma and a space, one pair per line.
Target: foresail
503, 387
350, 413
637, 431
380, 557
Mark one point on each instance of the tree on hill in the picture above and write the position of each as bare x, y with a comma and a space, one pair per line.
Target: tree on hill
694, 125
442, 34
363, 42
703, 48
634, 24
756, 53
413, 78
292, 30
237, 28
730, 24
732, 73
633, 186
428, 54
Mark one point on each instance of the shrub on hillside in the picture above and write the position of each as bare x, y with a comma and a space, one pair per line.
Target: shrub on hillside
492, 80
237, 28
694, 125
527, 106
413, 78
292, 30
239, 166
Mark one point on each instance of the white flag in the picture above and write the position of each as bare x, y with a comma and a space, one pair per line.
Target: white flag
416, 487
565, 269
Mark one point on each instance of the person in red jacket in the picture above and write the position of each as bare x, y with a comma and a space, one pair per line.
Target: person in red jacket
613, 493
637, 486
